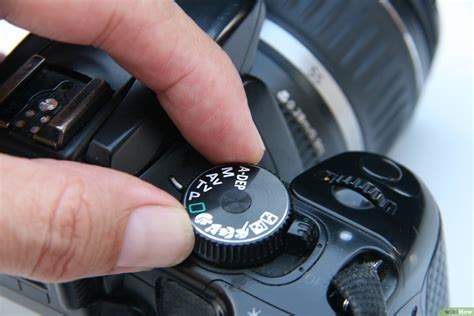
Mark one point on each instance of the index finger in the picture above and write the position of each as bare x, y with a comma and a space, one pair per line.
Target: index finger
160, 45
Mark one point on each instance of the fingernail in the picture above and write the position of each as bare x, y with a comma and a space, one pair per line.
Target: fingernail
262, 149
155, 236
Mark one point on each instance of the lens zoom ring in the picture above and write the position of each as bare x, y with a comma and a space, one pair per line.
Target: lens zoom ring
309, 157
427, 12
364, 51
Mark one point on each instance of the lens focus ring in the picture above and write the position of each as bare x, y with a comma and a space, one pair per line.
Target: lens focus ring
360, 44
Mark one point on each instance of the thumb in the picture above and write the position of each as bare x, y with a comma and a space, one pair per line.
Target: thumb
62, 220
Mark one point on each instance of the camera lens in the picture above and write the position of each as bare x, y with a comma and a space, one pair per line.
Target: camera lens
346, 74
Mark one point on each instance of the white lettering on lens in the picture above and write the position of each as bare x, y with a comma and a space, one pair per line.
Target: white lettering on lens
291, 105
285, 101
315, 74
283, 96
193, 195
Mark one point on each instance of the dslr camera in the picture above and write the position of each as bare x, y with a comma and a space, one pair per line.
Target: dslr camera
320, 227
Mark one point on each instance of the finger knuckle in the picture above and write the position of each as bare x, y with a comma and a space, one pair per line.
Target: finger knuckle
109, 33
67, 235
7, 8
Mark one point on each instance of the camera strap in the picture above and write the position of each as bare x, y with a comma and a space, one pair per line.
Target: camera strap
361, 289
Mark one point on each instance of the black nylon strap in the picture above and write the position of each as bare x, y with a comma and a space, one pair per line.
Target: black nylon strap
361, 286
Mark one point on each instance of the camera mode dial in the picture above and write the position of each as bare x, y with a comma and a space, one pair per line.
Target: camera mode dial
240, 214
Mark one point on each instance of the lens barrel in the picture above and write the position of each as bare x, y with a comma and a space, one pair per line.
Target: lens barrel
361, 63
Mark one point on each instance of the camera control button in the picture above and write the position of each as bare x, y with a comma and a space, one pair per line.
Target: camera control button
351, 198
302, 236
381, 168
359, 186
236, 201
240, 214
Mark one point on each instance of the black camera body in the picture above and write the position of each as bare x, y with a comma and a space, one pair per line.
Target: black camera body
354, 214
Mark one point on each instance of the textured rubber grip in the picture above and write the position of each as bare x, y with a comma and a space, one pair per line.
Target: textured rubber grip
360, 285
437, 295
363, 48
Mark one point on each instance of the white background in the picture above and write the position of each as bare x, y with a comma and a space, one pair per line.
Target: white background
437, 145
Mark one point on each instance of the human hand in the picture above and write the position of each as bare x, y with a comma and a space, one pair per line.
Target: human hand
64, 220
